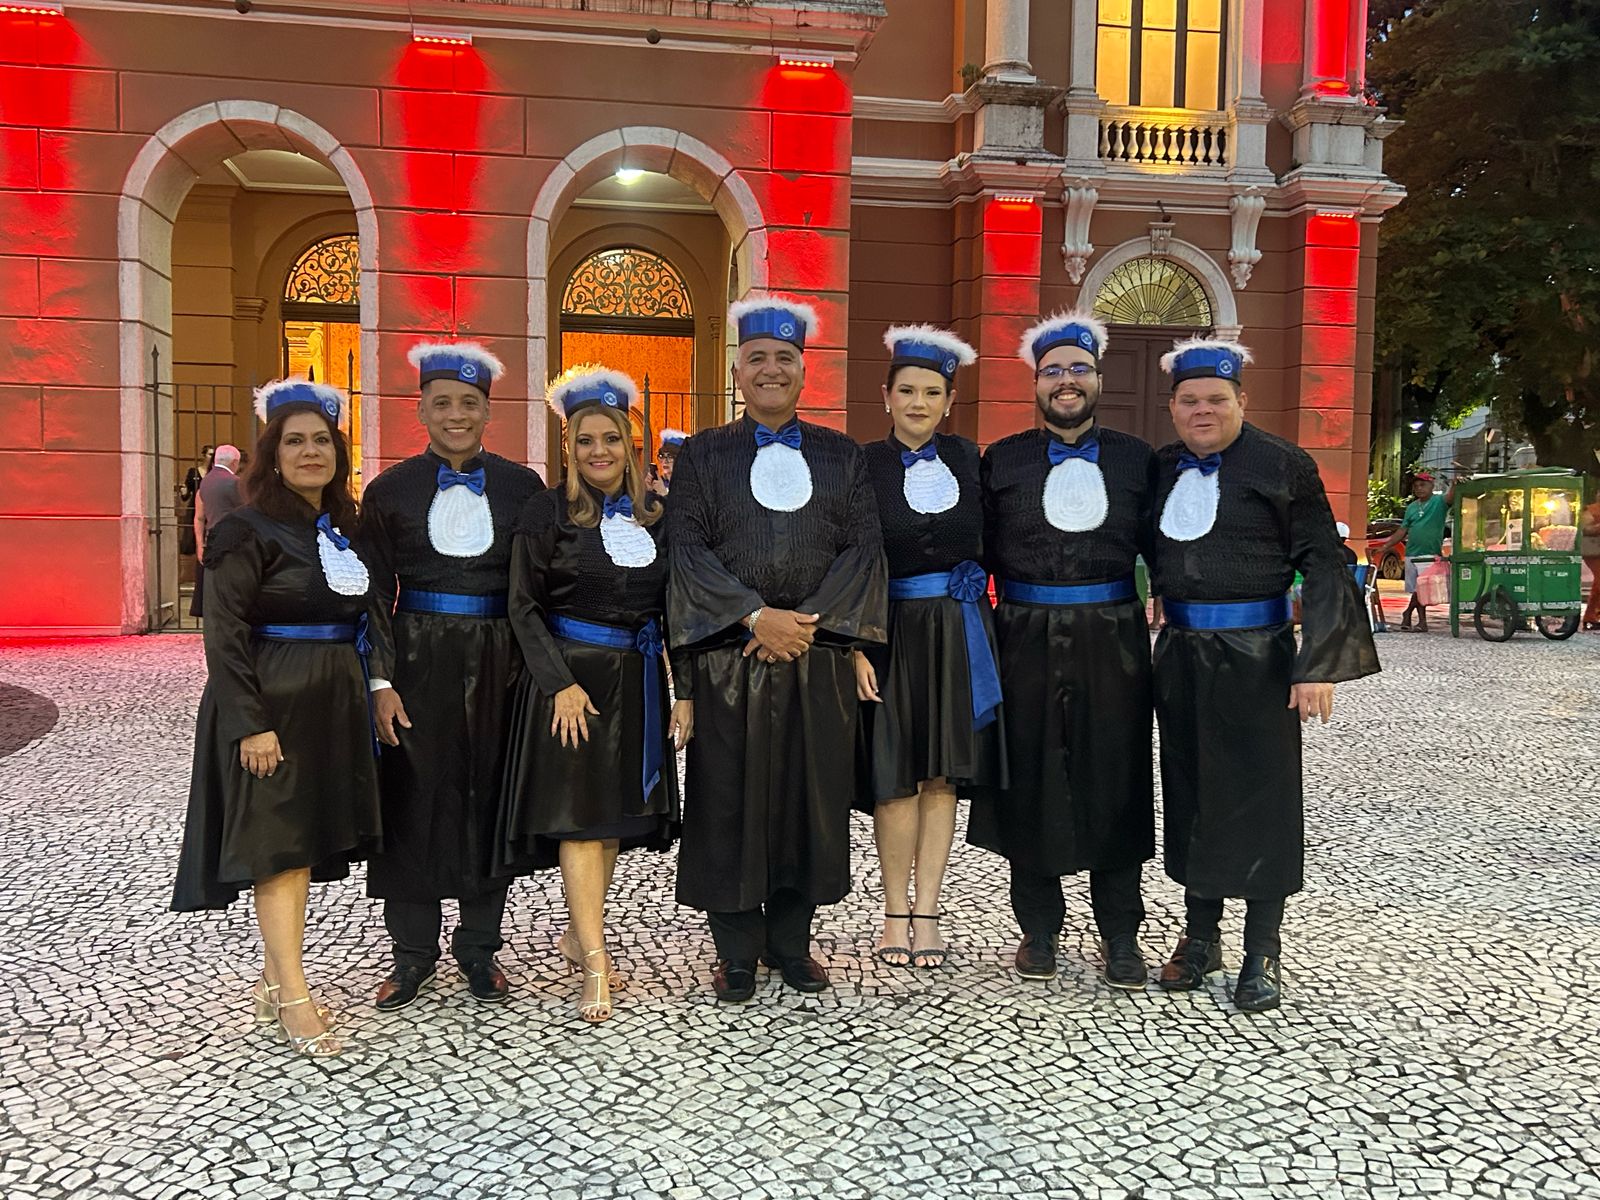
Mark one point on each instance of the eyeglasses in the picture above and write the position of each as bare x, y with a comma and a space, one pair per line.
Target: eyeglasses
1055, 371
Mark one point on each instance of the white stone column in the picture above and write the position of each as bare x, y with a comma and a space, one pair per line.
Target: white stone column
1005, 42
1244, 50
1083, 104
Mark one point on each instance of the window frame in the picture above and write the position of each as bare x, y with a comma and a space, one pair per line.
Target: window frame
1180, 66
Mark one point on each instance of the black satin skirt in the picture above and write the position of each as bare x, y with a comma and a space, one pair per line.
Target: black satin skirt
441, 785
1082, 790
554, 793
1233, 815
319, 809
770, 775
922, 729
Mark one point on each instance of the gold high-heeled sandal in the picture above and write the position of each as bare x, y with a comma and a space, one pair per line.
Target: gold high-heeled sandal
319, 1045
614, 981
599, 1009
267, 1007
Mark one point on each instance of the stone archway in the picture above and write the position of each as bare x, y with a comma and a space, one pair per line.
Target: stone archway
1218, 289
650, 148
166, 167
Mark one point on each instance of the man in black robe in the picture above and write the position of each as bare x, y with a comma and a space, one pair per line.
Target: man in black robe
1240, 512
436, 530
777, 574
1067, 510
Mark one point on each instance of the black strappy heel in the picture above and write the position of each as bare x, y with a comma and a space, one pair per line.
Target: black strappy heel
938, 957
905, 950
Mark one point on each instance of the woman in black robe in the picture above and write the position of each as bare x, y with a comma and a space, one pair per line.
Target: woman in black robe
590, 769
284, 788
930, 713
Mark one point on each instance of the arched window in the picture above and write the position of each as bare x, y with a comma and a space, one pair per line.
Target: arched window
327, 274
625, 285
1152, 291
321, 313
1161, 53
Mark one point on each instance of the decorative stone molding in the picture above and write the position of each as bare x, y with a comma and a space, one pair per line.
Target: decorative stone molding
1161, 237
1224, 308
1246, 210
1075, 246
249, 308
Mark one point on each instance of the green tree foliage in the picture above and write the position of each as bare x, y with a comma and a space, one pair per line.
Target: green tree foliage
1489, 274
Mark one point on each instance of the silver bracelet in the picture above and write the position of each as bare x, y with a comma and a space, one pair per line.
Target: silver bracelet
750, 621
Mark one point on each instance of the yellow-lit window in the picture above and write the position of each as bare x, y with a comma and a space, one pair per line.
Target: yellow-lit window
1161, 53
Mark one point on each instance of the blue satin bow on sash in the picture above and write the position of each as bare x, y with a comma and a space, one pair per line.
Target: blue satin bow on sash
1209, 465
967, 585
472, 480
325, 527
1087, 448
789, 436
622, 506
926, 454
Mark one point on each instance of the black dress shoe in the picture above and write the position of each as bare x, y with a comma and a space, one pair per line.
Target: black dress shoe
1191, 962
734, 980
1259, 987
485, 981
1124, 961
802, 974
1036, 957
402, 986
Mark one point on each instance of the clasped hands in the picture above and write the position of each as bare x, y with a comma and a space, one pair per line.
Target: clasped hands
781, 635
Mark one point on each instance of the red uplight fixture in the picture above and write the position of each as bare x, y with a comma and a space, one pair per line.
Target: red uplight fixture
35, 8
433, 36
1013, 198
1337, 214
809, 59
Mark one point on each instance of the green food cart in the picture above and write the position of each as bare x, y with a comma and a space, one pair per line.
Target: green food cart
1514, 556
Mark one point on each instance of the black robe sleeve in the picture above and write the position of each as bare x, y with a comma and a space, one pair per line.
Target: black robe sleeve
852, 601
704, 598
234, 565
375, 545
1335, 637
678, 660
532, 547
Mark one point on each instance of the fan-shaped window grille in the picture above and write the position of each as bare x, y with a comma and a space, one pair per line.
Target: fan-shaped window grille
1152, 291
328, 273
627, 283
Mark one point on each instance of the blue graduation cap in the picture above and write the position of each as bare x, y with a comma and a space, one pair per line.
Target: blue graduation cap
280, 394
777, 317
1205, 358
464, 362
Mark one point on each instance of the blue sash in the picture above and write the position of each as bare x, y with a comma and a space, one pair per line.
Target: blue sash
1242, 614
1064, 594
647, 641
451, 604
966, 585
338, 631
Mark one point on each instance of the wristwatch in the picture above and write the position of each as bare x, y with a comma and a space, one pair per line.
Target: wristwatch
750, 621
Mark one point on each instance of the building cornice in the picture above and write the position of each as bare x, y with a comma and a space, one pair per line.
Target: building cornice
894, 108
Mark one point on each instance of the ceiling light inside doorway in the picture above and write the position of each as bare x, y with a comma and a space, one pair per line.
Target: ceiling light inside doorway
628, 176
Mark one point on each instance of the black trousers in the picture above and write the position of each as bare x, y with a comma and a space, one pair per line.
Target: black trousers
1041, 905
781, 928
414, 926
1262, 919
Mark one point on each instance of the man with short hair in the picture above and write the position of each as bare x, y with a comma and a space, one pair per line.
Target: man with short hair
1422, 532
1240, 512
436, 533
216, 497
778, 573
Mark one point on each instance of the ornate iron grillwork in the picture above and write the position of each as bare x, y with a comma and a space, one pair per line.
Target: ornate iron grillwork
328, 273
1152, 291
627, 283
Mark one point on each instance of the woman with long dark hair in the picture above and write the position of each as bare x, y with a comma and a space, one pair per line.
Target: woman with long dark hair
284, 788
930, 714
591, 769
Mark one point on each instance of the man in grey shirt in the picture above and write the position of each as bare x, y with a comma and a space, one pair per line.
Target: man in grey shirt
217, 496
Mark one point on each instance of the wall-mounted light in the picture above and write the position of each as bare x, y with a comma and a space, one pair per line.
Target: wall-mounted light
628, 176
35, 8
439, 36
1337, 214
1417, 426
1013, 198
814, 59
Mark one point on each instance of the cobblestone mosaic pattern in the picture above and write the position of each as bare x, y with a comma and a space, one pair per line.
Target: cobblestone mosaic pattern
1439, 1037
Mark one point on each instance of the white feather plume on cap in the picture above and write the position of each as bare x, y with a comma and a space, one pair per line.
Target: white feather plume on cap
932, 335
1068, 317
1169, 360
471, 351
758, 301
586, 376
318, 395
673, 435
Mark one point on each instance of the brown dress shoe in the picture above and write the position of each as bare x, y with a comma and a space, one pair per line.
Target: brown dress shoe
1191, 962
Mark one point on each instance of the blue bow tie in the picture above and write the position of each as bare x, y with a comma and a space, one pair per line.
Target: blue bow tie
1087, 448
926, 454
622, 506
325, 527
472, 480
1208, 465
789, 435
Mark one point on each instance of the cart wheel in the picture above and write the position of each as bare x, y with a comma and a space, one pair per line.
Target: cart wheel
1496, 616
1557, 629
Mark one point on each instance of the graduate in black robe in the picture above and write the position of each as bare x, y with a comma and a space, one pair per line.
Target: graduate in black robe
437, 530
284, 790
1068, 510
1240, 512
931, 719
777, 575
